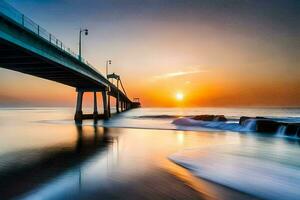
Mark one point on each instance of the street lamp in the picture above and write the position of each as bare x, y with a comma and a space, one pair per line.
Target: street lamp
86, 32
108, 62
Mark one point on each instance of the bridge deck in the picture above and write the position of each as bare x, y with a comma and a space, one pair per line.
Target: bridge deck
15, 58
28, 48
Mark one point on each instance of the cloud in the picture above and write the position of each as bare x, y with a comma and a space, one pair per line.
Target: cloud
178, 73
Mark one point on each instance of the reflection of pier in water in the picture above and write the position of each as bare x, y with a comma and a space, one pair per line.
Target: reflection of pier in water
54, 162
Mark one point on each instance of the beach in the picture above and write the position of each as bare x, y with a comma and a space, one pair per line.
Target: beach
45, 155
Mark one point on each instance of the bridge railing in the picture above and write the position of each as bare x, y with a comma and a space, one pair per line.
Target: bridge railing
10, 12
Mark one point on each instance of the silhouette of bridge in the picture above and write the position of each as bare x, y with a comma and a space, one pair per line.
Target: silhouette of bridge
28, 48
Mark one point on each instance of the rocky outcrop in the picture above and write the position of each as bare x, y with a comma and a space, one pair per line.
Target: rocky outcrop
267, 125
258, 124
244, 118
293, 129
220, 118
261, 124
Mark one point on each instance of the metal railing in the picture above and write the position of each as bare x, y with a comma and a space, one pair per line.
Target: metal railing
13, 14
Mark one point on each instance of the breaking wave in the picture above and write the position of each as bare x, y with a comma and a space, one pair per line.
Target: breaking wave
249, 125
261, 177
228, 126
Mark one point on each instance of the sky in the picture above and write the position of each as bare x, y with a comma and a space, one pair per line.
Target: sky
213, 52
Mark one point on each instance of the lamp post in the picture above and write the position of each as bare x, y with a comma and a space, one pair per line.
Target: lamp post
86, 32
108, 62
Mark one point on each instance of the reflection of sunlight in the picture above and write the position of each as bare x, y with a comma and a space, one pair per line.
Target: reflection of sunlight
192, 181
180, 137
234, 138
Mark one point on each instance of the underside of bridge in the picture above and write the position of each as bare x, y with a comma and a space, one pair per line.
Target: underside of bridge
17, 59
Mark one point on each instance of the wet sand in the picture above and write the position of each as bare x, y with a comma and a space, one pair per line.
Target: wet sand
108, 163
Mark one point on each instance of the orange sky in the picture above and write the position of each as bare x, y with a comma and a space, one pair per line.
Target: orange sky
231, 54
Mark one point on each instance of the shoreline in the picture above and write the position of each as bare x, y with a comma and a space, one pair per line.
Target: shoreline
119, 162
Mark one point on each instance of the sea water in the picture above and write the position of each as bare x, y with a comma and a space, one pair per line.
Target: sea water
50, 157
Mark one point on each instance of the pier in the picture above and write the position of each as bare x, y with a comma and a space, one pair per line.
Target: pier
28, 48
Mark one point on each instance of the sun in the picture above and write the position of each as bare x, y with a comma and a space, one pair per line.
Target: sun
179, 96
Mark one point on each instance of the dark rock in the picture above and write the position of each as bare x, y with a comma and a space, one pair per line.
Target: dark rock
210, 118
243, 119
204, 117
267, 125
261, 118
298, 132
292, 129
220, 118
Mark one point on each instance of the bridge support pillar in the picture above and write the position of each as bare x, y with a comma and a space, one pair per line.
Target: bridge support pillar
95, 114
108, 105
118, 104
78, 113
105, 106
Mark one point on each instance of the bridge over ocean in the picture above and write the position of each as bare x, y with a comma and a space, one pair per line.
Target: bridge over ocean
28, 48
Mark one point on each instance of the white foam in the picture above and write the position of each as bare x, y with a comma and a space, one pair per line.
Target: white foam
258, 177
228, 126
281, 131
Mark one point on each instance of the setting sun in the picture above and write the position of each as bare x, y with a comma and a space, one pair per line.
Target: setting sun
179, 96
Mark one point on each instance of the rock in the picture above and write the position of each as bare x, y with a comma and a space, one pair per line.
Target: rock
292, 129
243, 119
298, 132
262, 124
267, 125
204, 117
210, 118
220, 118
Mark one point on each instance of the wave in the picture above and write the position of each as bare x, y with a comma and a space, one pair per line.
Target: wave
259, 177
286, 130
228, 126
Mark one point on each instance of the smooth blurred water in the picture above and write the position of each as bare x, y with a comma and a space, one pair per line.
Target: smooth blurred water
45, 155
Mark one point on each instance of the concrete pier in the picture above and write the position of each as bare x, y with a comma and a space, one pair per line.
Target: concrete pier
105, 105
95, 106
78, 113
41, 54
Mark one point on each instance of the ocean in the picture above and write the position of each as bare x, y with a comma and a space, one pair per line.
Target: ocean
149, 153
